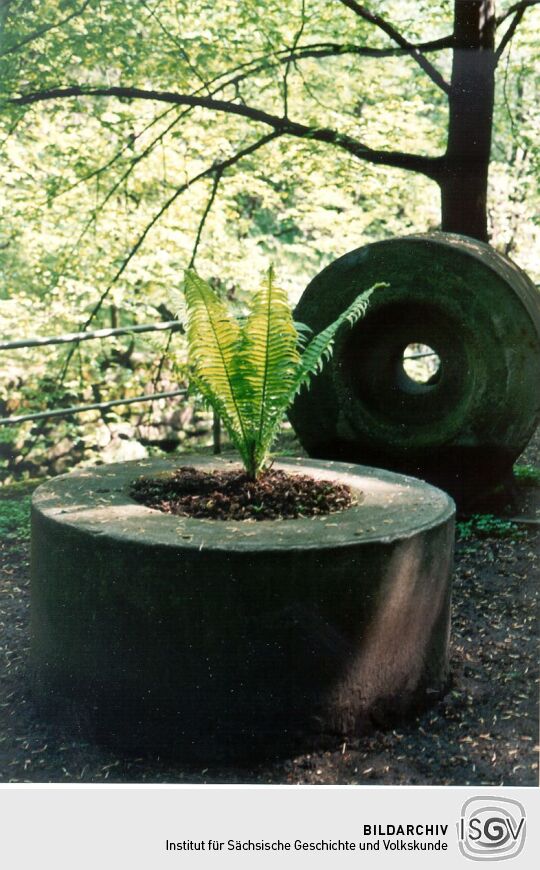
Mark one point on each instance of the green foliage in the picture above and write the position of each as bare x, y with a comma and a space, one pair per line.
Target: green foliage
20, 488
527, 475
15, 518
488, 526
82, 179
250, 371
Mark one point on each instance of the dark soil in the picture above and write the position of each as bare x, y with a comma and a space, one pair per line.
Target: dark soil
483, 733
232, 495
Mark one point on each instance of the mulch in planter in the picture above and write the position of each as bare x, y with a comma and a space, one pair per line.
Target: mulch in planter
232, 495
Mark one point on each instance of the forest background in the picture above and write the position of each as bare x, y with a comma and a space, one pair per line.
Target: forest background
109, 189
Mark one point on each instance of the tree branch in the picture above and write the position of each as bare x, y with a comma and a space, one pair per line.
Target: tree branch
218, 167
519, 10
324, 49
398, 38
516, 7
218, 175
213, 193
318, 50
430, 166
133, 93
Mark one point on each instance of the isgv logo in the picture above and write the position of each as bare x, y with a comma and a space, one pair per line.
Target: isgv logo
491, 828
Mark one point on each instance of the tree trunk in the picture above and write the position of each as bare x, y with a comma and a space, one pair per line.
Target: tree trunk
465, 173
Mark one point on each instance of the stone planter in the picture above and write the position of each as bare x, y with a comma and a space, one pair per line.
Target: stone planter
211, 639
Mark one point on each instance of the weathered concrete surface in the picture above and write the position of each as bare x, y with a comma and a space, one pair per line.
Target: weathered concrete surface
212, 639
478, 311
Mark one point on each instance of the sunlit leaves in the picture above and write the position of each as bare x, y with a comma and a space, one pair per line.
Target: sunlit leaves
80, 179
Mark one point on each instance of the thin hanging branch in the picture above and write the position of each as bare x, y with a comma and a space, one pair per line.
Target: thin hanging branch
296, 40
177, 44
213, 192
104, 166
215, 184
41, 31
92, 220
110, 193
216, 167
134, 162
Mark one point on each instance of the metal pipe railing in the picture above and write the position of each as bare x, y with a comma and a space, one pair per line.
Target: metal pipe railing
69, 337
87, 335
420, 355
80, 409
174, 325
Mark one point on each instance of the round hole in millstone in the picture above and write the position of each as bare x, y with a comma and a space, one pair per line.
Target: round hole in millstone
422, 364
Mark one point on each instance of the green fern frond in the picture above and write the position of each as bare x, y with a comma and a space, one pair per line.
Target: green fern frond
221, 410
312, 359
251, 370
305, 334
320, 347
270, 360
214, 340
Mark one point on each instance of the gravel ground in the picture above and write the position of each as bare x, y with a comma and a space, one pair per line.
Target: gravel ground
483, 733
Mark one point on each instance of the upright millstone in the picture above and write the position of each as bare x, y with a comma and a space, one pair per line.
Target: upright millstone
476, 316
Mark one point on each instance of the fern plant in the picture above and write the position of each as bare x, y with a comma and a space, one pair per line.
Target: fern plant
250, 370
